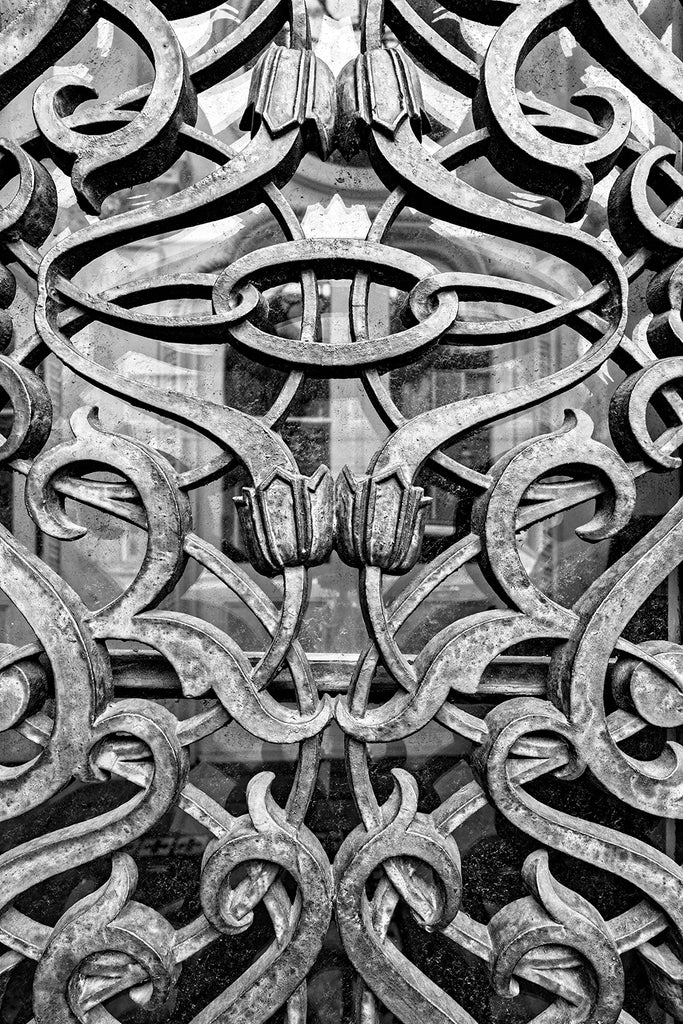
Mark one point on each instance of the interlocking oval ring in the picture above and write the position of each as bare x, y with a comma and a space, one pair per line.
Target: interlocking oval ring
336, 258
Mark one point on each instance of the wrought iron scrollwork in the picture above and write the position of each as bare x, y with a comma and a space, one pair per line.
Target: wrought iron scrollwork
600, 687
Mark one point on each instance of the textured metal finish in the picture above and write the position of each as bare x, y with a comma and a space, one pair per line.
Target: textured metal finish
592, 690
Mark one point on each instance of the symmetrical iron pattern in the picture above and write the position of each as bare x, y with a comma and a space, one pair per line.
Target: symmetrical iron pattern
600, 690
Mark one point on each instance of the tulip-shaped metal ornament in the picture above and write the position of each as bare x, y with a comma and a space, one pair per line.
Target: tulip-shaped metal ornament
380, 520
288, 519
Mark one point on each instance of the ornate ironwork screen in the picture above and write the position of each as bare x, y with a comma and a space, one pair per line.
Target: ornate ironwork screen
340, 522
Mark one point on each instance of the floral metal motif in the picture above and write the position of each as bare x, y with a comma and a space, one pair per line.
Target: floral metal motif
600, 688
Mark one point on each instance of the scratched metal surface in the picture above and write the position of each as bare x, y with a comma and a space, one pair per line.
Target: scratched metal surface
114, 684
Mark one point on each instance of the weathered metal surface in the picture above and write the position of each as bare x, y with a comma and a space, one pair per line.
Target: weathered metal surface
566, 714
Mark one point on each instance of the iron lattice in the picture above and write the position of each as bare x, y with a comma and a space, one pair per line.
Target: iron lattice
600, 689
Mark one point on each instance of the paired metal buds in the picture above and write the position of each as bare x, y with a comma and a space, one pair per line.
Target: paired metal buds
292, 519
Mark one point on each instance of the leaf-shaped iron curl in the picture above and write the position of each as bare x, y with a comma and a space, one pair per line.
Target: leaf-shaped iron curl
557, 916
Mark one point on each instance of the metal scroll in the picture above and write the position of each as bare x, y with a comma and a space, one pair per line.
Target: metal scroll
601, 691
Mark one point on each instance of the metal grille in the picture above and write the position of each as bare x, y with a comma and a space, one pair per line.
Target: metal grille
558, 687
